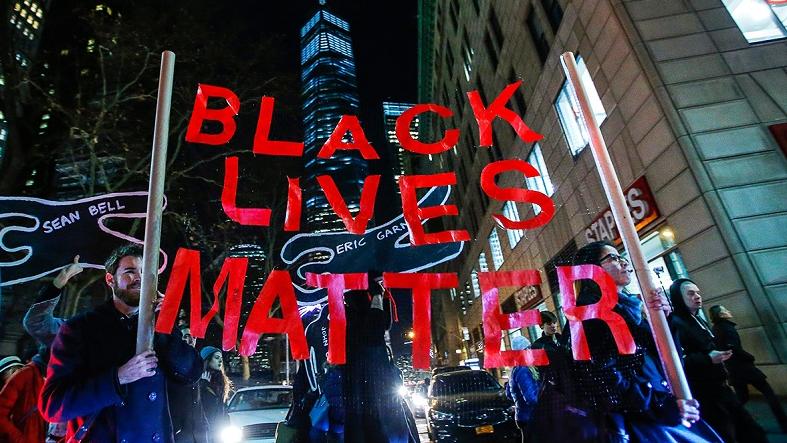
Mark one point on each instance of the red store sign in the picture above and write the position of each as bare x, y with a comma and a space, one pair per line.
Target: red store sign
642, 207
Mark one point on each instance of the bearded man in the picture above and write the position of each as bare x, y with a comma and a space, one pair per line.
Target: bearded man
96, 383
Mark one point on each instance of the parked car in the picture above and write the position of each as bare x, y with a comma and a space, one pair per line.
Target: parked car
469, 406
255, 412
445, 369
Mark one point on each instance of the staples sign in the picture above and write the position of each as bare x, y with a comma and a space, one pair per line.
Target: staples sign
642, 207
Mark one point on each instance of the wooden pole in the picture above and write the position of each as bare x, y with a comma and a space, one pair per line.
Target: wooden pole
670, 359
158, 169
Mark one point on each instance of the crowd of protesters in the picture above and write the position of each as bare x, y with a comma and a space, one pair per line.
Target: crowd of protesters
87, 383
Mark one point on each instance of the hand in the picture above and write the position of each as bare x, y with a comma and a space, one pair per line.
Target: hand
689, 411
206, 375
157, 302
67, 272
140, 366
719, 356
658, 302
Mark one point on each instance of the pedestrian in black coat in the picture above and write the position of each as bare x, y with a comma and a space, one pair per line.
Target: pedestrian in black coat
741, 365
215, 388
704, 364
96, 383
185, 403
373, 408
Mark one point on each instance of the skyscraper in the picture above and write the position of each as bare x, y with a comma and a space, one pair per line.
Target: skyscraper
329, 90
392, 111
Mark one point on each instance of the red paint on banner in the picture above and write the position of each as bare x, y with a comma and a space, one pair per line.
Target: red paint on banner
495, 322
200, 113
414, 215
449, 140
348, 123
601, 310
488, 185
422, 285
260, 322
358, 224
262, 143
484, 115
337, 325
244, 216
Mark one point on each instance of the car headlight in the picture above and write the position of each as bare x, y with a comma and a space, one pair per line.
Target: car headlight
403, 391
231, 434
445, 416
419, 400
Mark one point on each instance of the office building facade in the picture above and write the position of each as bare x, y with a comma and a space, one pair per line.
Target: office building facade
329, 90
689, 96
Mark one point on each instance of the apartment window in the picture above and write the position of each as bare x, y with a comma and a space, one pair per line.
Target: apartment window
476, 285
538, 35
542, 183
554, 13
512, 213
759, 20
483, 266
467, 57
497, 251
569, 114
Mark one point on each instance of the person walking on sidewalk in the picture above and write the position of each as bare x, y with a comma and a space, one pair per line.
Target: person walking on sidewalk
741, 366
704, 363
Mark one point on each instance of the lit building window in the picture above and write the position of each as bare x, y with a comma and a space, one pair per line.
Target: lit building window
514, 235
497, 252
476, 285
483, 266
759, 20
569, 114
542, 183
467, 58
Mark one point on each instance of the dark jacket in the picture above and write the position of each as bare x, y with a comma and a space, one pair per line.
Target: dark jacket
741, 365
215, 410
188, 419
697, 343
82, 383
546, 342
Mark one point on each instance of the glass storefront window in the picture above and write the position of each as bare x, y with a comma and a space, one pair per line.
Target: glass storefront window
663, 258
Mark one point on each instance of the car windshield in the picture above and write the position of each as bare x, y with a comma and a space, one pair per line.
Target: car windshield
257, 399
465, 382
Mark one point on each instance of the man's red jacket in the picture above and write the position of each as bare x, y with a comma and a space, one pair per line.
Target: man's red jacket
20, 421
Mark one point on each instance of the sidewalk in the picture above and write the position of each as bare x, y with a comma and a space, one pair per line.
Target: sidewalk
759, 409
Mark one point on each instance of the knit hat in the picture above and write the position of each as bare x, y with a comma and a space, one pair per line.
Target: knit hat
519, 343
207, 351
12, 361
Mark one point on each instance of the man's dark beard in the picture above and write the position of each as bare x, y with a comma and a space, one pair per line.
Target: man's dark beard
129, 297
